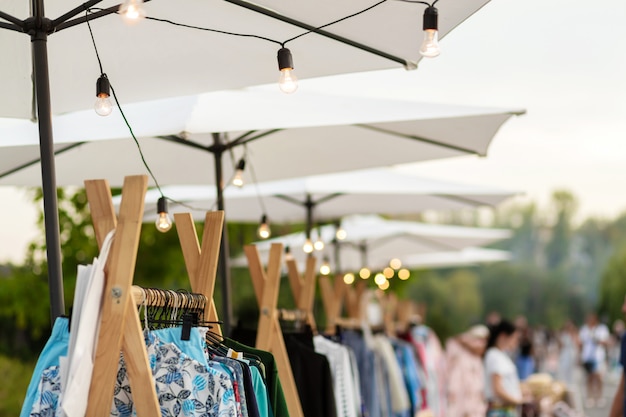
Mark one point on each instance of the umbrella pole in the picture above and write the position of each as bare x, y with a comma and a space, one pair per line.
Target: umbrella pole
223, 264
39, 39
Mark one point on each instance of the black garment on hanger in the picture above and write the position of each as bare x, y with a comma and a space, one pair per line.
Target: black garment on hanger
311, 372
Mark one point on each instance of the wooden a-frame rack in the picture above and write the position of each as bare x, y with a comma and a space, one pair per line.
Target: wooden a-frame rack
120, 327
266, 284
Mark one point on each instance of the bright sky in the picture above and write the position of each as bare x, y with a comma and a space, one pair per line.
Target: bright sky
564, 61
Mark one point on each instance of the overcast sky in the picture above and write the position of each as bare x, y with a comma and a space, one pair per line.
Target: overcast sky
564, 61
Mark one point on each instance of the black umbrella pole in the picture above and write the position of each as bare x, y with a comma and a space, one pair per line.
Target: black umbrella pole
223, 264
48, 173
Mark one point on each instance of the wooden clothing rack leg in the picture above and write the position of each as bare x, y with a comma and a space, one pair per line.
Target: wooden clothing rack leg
269, 334
332, 298
120, 328
303, 288
201, 261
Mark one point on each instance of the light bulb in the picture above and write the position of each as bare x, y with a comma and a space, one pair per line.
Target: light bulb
287, 82
308, 246
319, 244
163, 222
379, 279
430, 46
404, 274
132, 11
103, 105
264, 228
238, 178
341, 234
395, 263
348, 278
364, 273
325, 268
388, 273
384, 286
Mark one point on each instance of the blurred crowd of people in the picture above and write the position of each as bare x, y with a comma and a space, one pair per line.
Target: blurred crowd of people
495, 369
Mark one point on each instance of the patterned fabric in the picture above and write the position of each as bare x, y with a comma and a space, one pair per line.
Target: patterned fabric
184, 386
48, 394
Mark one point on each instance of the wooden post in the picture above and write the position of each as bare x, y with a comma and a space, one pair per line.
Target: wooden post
269, 334
120, 329
303, 288
201, 261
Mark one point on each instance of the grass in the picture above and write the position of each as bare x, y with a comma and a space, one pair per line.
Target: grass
16, 377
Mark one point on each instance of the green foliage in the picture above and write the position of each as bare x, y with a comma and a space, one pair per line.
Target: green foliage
15, 378
613, 286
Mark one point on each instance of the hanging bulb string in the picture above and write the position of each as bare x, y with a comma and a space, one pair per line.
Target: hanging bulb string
256, 183
119, 106
334, 22
248, 35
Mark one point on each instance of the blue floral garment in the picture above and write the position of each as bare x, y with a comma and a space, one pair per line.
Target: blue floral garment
184, 386
46, 402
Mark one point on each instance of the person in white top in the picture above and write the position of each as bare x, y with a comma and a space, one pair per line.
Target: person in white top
594, 337
502, 386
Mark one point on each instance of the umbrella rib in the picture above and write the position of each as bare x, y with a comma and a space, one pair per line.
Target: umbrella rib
11, 26
83, 7
37, 160
192, 144
421, 139
242, 140
17, 22
270, 13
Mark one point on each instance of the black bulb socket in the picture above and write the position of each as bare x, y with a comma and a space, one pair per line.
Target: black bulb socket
241, 165
285, 61
103, 87
431, 18
264, 219
162, 205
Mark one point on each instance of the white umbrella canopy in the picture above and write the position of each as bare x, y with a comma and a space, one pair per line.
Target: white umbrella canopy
372, 241
306, 134
154, 59
450, 259
326, 197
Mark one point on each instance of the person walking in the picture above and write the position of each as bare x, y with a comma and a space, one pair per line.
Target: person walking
465, 373
594, 337
502, 386
568, 353
618, 408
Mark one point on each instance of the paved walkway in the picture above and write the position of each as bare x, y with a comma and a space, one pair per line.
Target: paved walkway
611, 382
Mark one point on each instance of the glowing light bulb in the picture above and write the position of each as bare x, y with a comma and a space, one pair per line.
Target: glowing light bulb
238, 178
341, 234
430, 45
365, 273
388, 273
163, 222
264, 228
395, 263
348, 278
325, 268
319, 244
308, 246
132, 11
404, 274
379, 279
103, 105
287, 82
384, 286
